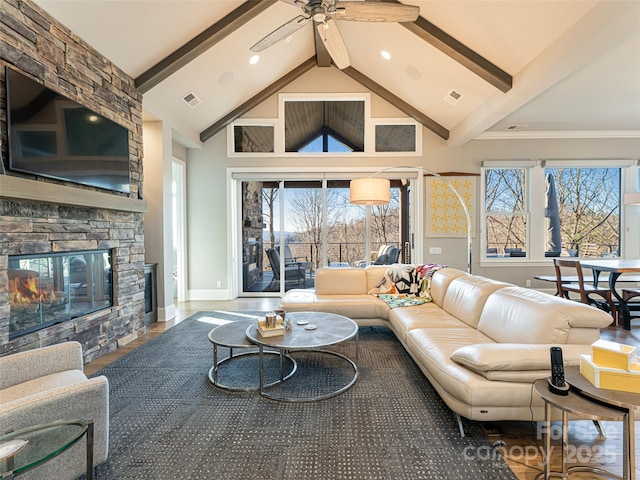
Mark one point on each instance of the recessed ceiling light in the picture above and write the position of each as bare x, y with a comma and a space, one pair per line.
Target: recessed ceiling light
226, 78
413, 73
386, 55
93, 118
255, 59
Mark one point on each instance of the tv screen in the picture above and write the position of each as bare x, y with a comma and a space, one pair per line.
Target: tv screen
53, 136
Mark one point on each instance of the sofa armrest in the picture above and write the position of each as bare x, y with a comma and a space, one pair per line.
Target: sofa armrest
24, 366
86, 400
488, 357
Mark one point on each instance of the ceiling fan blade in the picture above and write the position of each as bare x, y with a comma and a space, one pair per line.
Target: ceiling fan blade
376, 12
334, 44
297, 3
281, 33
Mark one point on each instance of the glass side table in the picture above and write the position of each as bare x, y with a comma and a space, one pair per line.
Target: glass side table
43, 442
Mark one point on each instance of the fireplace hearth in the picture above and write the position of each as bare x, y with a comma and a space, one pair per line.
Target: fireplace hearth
50, 288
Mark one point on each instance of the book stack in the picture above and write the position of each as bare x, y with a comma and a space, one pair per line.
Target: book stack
265, 331
613, 366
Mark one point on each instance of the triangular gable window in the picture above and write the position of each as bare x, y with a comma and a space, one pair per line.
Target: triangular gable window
325, 143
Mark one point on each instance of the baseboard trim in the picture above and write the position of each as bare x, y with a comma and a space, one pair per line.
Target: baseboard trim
217, 294
166, 313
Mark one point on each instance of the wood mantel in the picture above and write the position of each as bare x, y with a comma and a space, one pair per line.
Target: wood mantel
26, 189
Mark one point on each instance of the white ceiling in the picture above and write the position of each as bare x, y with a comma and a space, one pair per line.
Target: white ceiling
575, 64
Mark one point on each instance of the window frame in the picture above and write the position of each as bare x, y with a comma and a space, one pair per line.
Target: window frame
369, 129
535, 184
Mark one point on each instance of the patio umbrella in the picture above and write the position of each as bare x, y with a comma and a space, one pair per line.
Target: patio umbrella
554, 241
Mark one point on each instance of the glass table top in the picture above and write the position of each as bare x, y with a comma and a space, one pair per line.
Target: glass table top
44, 442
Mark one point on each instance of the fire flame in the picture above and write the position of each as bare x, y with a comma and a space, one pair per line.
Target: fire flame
24, 291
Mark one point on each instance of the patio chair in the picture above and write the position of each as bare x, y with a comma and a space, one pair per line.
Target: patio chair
290, 260
291, 272
585, 290
389, 257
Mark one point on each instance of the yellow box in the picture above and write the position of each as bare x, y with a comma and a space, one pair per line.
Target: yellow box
614, 355
611, 378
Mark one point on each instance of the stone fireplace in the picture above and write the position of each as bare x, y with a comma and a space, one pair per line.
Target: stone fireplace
65, 225
47, 289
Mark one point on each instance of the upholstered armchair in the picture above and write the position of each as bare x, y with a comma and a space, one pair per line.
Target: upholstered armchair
48, 384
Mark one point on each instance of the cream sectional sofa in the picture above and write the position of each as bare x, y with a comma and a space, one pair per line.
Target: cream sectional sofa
480, 342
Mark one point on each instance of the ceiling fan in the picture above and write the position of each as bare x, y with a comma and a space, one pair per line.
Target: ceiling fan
324, 12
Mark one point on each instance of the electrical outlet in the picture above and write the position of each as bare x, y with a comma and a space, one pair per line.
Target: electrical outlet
219, 284
527, 283
435, 250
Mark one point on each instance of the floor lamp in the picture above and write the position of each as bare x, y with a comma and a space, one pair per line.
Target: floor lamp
376, 191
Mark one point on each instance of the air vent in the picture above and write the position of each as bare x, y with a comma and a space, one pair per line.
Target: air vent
516, 127
191, 100
453, 97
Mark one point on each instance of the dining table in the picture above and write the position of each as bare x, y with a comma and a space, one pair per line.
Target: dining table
615, 268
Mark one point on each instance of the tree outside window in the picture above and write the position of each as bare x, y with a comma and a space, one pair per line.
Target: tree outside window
589, 210
582, 210
505, 212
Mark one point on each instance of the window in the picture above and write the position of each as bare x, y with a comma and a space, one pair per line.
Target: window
505, 212
552, 208
253, 138
588, 210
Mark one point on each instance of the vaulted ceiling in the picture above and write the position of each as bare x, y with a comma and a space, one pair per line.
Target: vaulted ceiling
521, 68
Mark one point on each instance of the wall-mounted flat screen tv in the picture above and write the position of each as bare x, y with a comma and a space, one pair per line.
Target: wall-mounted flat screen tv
53, 136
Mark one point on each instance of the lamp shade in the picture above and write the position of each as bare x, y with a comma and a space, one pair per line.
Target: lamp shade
632, 198
370, 191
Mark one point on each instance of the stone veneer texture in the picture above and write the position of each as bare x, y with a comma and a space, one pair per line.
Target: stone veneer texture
36, 44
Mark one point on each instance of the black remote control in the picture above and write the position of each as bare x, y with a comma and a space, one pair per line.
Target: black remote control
557, 384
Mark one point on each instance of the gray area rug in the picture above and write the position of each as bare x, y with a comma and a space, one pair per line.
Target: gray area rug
169, 422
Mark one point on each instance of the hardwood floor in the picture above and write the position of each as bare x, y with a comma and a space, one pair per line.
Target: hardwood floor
521, 446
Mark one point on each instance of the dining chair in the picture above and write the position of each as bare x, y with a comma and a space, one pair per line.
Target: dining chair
634, 307
585, 290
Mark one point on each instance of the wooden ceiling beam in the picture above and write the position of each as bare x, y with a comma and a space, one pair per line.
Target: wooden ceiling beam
258, 98
397, 102
462, 54
200, 44
323, 59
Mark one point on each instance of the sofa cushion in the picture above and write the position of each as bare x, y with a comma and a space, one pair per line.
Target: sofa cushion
352, 306
514, 356
428, 315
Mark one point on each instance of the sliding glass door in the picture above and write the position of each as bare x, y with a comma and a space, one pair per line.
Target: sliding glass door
291, 227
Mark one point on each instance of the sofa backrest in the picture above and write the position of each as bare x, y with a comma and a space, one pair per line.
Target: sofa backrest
522, 315
341, 281
440, 281
375, 274
466, 296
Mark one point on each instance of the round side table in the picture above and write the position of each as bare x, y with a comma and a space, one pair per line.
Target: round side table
584, 407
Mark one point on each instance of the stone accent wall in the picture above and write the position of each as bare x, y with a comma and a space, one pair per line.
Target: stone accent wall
37, 45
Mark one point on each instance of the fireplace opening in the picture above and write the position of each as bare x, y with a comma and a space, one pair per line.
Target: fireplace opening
50, 288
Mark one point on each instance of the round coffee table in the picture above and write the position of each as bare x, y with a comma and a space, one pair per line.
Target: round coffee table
331, 329
233, 335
